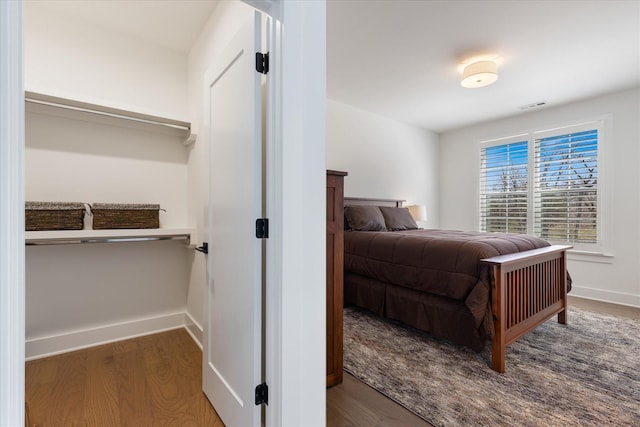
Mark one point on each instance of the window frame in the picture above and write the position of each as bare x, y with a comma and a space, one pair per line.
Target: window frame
603, 125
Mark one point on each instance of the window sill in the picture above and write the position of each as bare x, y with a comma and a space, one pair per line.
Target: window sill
588, 256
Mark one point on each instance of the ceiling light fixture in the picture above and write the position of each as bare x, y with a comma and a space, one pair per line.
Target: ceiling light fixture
479, 74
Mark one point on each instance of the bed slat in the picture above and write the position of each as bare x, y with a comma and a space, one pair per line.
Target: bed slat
527, 288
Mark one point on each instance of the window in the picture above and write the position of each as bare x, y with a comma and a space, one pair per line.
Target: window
543, 183
504, 188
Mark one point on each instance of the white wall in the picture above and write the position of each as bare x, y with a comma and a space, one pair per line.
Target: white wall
615, 279
79, 289
71, 289
384, 158
80, 161
70, 58
302, 187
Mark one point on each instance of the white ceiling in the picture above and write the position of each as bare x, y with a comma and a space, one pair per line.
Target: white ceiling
173, 24
400, 58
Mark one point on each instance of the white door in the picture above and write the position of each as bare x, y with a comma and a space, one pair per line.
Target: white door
232, 332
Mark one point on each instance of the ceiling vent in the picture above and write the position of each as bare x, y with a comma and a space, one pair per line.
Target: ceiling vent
532, 106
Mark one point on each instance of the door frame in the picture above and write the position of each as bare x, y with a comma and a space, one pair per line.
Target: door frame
273, 306
296, 199
12, 257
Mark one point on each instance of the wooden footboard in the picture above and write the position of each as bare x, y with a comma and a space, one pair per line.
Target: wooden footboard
527, 289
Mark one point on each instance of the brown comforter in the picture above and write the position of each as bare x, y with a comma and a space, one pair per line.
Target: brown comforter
442, 265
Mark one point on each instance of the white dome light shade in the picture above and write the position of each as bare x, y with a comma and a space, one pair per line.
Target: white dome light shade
479, 74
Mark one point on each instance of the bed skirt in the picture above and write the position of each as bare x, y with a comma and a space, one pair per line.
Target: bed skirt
440, 316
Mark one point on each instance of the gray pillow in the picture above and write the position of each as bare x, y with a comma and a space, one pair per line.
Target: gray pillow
364, 218
398, 218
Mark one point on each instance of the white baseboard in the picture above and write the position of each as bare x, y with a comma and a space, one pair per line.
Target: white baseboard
194, 329
606, 296
48, 346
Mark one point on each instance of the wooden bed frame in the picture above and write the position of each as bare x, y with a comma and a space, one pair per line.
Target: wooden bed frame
527, 288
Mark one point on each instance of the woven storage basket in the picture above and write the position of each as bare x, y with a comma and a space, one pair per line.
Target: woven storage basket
41, 216
119, 215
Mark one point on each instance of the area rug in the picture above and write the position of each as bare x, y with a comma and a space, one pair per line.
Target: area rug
586, 373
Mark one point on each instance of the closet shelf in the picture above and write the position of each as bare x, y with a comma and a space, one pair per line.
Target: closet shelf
70, 108
56, 237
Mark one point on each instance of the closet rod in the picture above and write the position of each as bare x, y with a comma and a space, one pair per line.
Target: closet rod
85, 107
72, 241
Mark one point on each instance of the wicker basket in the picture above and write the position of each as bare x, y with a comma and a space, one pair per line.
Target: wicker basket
118, 215
41, 216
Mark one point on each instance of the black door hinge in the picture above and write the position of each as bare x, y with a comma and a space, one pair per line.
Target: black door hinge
262, 228
262, 394
262, 62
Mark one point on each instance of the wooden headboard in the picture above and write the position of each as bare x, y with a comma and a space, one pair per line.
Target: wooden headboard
351, 201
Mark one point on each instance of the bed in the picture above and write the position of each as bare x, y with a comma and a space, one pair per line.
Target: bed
467, 287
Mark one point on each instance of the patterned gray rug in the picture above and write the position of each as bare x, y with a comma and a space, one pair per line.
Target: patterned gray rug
586, 373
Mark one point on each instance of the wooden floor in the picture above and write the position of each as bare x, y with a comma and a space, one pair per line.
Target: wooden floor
156, 380
354, 403
604, 307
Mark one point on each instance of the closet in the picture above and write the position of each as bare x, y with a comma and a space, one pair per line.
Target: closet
84, 287
72, 111
80, 290
109, 118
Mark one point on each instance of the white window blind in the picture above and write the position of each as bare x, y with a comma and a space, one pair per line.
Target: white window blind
504, 187
544, 183
566, 187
